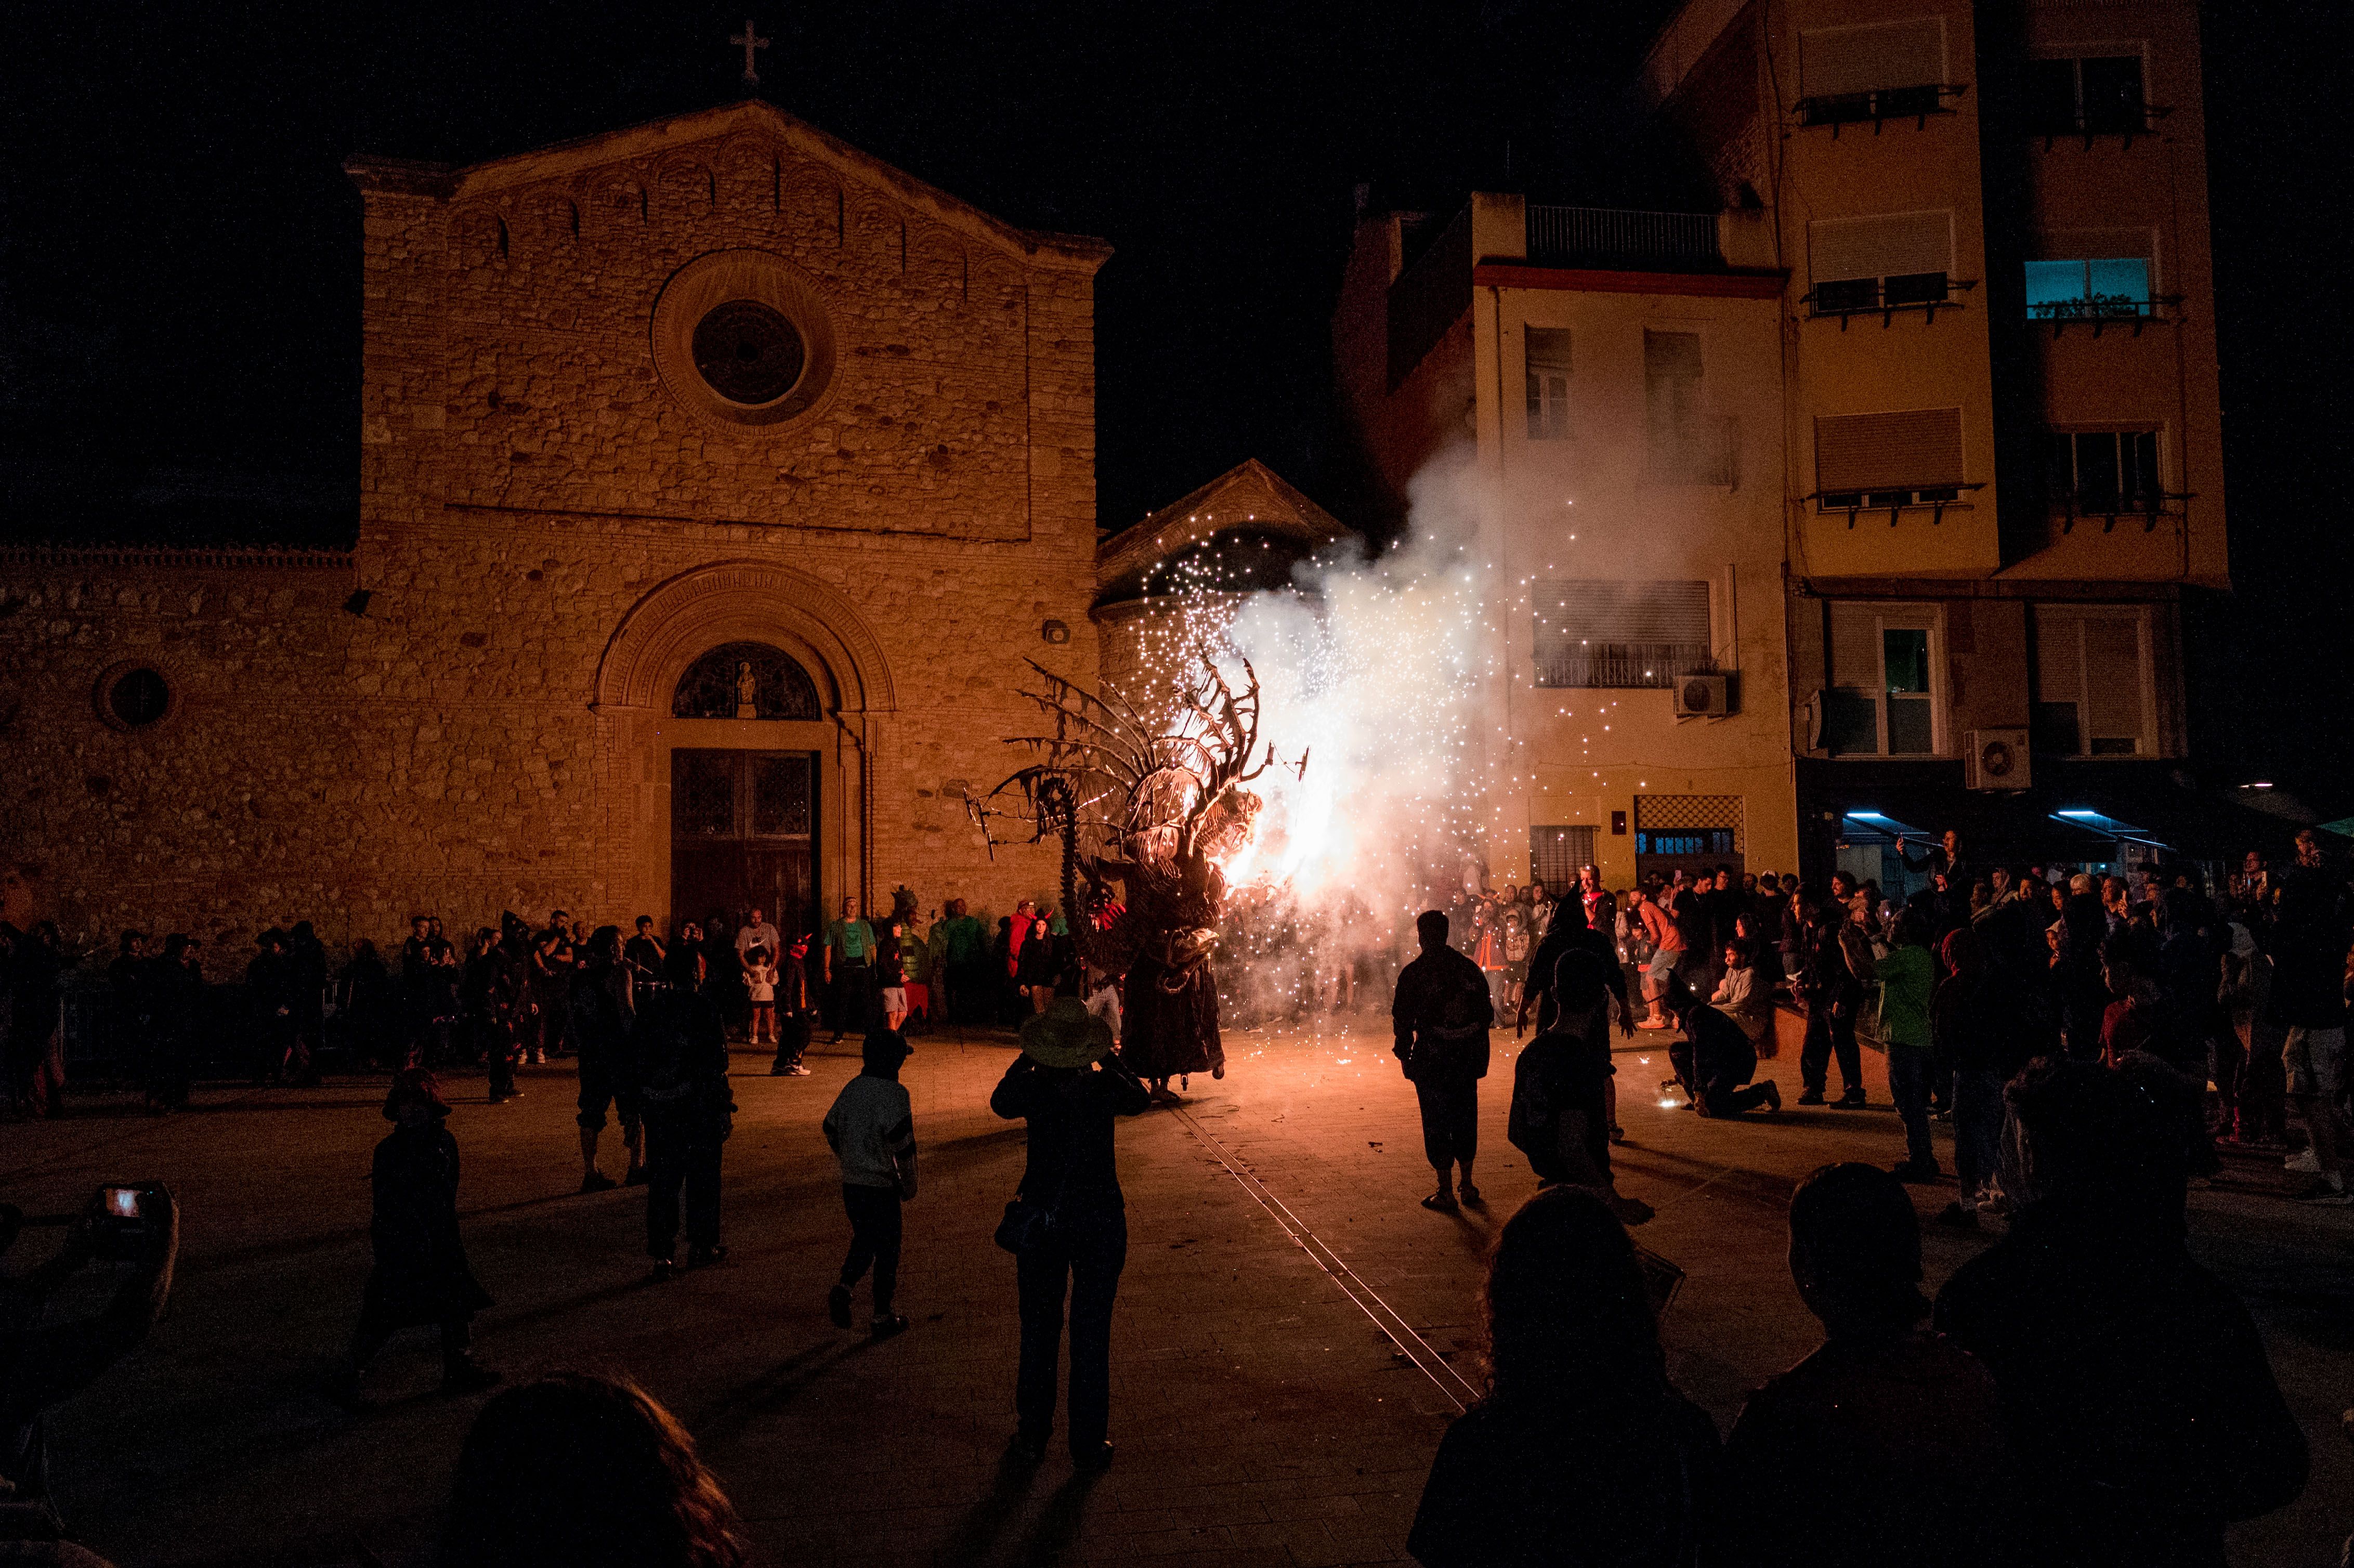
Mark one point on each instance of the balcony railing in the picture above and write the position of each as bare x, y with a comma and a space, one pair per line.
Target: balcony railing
1621, 666
1928, 293
1611, 239
1914, 103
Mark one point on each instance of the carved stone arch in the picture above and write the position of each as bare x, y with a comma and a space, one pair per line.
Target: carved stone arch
483, 238
553, 218
937, 261
745, 601
747, 169
874, 226
617, 202
688, 189
813, 202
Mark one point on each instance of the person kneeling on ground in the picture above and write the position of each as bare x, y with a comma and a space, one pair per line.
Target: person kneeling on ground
422, 1275
1561, 1115
1583, 1453
872, 1130
578, 1471
1715, 1060
1893, 1432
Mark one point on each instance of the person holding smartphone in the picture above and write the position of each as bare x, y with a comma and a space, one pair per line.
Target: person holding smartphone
135, 1228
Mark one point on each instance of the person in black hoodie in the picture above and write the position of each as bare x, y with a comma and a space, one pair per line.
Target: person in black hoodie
678, 1047
1833, 996
602, 1004
422, 1275
1561, 1089
2139, 1407
1582, 1455
1070, 1090
1974, 1024
1441, 1019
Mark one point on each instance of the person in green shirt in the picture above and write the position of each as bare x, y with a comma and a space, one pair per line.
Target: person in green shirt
1907, 977
849, 971
960, 955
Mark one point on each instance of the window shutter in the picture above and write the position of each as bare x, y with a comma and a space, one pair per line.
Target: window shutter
1548, 350
1833, 61
2059, 676
1855, 647
1894, 245
2094, 244
1624, 612
2111, 682
1913, 449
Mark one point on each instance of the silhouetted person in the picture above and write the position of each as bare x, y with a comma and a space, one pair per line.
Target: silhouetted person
1892, 1435
1561, 1085
603, 1006
1715, 1060
1975, 1022
1440, 1018
2140, 1408
422, 1275
678, 1047
1582, 1453
872, 1130
580, 1471
1833, 996
44, 1361
1072, 1231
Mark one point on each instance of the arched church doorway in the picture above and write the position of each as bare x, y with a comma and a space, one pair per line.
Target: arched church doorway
745, 820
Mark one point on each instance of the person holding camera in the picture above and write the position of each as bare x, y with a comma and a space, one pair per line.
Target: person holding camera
1067, 1227
43, 1365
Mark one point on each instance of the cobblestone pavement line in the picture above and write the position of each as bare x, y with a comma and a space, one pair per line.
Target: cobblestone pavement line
1411, 1345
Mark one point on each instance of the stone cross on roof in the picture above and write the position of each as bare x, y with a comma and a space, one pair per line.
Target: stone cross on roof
749, 40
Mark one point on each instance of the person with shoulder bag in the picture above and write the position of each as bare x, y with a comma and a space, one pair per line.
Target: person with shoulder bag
1067, 1226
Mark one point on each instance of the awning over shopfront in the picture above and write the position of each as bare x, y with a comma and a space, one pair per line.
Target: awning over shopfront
2072, 815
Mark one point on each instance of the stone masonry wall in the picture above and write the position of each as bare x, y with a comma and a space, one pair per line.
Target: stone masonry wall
526, 481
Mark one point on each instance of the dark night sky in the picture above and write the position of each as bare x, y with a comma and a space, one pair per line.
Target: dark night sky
181, 246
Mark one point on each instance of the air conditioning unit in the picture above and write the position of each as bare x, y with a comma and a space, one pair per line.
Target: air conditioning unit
1998, 760
1702, 696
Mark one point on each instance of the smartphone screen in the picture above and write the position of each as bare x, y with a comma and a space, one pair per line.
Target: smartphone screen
121, 1202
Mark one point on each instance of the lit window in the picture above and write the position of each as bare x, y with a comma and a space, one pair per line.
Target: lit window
1881, 698
2116, 288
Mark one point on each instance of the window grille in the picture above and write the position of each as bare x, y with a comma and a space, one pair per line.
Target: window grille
1620, 634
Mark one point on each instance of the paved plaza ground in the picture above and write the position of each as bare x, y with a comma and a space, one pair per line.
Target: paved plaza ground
1290, 1341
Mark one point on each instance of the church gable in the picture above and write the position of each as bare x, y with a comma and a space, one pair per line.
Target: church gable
552, 345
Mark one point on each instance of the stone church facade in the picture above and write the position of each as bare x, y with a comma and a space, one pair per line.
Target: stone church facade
717, 480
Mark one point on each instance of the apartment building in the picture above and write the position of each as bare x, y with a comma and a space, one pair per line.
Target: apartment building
1998, 399
1865, 505
1600, 389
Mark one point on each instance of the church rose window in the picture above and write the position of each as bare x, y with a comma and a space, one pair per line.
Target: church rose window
133, 697
747, 351
746, 681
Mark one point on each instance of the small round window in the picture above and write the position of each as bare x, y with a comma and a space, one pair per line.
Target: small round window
747, 351
138, 697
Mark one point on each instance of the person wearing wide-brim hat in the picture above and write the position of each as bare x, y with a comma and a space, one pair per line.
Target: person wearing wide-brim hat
1071, 1222
1065, 1035
422, 1275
